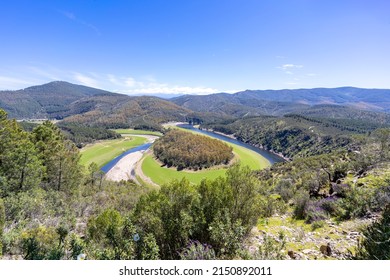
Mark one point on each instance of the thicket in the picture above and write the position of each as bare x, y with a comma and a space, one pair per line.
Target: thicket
187, 150
295, 135
82, 134
375, 244
218, 213
342, 184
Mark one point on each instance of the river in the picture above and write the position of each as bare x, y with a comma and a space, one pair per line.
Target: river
113, 162
272, 158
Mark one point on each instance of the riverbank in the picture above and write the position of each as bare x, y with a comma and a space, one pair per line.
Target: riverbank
231, 136
102, 152
125, 168
270, 155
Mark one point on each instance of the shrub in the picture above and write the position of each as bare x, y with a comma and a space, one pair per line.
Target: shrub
271, 248
112, 235
286, 189
197, 251
2, 222
375, 244
314, 212
42, 243
226, 236
317, 224
357, 202
301, 201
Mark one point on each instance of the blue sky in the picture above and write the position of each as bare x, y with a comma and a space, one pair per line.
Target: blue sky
198, 46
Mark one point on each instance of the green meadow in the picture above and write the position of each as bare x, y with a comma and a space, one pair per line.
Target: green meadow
160, 175
102, 152
137, 131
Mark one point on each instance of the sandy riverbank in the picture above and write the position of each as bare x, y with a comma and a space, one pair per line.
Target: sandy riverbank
125, 167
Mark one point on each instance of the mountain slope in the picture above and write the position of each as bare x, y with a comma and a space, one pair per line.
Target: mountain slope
125, 111
236, 105
90, 106
48, 100
279, 102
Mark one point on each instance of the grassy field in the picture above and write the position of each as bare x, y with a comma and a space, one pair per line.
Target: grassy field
137, 131
160, 175
104, 151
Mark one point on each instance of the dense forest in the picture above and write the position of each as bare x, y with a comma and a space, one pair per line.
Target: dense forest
187, 150
296, 135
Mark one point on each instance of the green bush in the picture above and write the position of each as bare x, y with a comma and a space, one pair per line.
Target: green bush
197, 251
375, 244
226, 235
301, 201
2, 222
271, 248
42, 243
110, 236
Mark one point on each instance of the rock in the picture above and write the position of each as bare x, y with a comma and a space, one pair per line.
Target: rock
326, 250
307, 251
292, 254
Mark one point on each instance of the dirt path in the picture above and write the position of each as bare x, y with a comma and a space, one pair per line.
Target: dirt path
143, 177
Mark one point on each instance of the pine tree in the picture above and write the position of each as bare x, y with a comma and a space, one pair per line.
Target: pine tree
59, 156
20, 167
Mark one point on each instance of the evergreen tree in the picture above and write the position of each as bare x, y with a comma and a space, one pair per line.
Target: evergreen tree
20, 167
59, 156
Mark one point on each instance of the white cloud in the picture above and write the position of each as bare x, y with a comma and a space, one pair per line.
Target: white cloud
69, 15
73, 17
290, 66
85, 80
43, 73
166, 89
130, 82
116, 83
148, 85
292, 83
10, 83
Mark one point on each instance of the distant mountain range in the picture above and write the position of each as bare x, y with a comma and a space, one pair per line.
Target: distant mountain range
76, 103
279, 102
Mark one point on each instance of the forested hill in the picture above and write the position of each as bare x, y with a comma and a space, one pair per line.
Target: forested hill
95, 107
89, 106
144, 112
279, 102
48, 100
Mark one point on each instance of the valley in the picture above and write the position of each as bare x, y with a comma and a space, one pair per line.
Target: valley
273, 174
